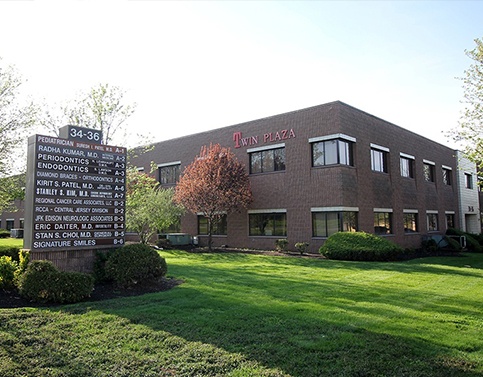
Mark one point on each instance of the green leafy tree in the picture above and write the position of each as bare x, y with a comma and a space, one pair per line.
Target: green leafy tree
214, 184
15, 118
102, 108
470, 130
149, 208
11, 189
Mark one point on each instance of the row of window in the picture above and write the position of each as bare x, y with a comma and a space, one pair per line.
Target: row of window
327, 223
327, 150
10, 224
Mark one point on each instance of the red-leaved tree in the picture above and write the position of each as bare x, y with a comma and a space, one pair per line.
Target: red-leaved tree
214, 184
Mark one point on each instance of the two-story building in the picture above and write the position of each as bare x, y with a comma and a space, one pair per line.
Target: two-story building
330, 168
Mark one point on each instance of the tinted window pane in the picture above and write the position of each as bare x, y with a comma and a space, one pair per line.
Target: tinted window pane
279, 159
268, 224
331, 152
333, 223
344, 153
318, 154
267, 161
256, 162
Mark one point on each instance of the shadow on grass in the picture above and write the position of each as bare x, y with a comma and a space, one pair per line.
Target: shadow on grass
313, 327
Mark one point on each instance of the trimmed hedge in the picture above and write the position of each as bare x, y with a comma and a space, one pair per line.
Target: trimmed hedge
4, 233
472, 243
10, 251
43, 282
359, 246
133, 264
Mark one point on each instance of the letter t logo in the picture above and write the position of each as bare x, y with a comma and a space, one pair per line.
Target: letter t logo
236, 138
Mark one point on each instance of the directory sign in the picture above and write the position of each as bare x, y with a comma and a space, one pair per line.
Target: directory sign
75, 195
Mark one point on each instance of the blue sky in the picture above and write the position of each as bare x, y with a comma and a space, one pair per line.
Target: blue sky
193, 66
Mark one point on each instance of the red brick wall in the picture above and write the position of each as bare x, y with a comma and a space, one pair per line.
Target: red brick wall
301, 187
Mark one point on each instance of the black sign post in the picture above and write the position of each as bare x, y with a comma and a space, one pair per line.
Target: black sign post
75, 195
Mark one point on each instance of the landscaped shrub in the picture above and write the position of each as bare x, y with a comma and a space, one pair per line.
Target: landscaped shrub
452, 243
429, 245
23, 261
133, 264
281, 244
478, 237
7, 272
472, 243
43, 282
4, 233
301, 247
359, 246
10, 251
100, 264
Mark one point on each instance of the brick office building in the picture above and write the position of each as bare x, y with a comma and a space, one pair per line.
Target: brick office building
330, 168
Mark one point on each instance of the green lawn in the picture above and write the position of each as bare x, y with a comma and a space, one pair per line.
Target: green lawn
16, 242
251, 315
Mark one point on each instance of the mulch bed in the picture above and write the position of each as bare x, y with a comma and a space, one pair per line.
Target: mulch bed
255, 251
104, 291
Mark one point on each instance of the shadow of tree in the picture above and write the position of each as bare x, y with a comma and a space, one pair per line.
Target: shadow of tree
328, 325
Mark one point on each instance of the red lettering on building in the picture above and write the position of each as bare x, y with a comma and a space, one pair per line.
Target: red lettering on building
279, 135
267, 138
236, 138
244, 141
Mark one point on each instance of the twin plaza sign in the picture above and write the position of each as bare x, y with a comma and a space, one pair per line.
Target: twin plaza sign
75, 195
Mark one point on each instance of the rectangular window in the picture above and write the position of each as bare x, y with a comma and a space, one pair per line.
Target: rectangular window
407, 167
332, 152
428, 171
447, 176
219, 227
267, 160
9, 224
382, 222
169, 174
449, 220
410, 222
432, 222
468, 181
324, 224
268, 224
379, 160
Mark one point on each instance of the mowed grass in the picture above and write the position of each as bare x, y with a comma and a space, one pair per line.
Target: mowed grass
11, 242
252, 315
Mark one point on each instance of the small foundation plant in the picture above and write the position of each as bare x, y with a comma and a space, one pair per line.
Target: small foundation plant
281, 244
302, 247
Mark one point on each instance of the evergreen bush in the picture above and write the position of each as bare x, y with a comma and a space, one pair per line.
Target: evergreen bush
43, 282
359, 246
472, 243
453, 244
7, 272
10, 251
100, 265
133, 264
429, 245
4, 233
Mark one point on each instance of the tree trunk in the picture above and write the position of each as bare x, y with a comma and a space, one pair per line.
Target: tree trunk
210, 232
